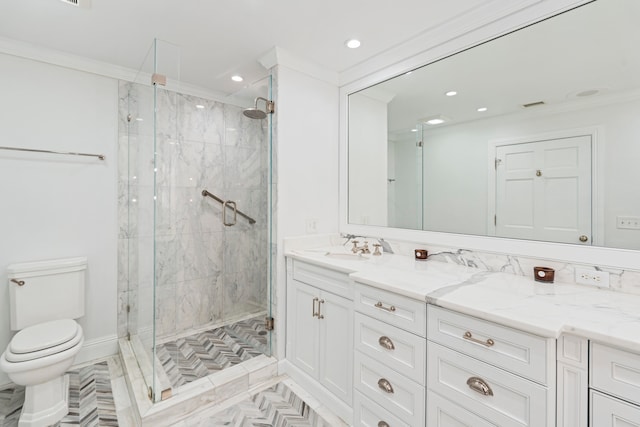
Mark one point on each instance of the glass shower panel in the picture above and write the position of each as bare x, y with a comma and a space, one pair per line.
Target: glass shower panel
136, 224
198, 268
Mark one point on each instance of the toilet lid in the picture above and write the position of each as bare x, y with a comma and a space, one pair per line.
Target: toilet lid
44, 336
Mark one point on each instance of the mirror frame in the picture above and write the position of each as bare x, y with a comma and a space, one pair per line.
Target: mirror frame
527, 12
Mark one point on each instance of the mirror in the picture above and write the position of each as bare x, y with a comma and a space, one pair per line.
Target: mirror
541, 140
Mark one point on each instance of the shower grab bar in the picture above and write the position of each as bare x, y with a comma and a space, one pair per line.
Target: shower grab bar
66, 153
205, 193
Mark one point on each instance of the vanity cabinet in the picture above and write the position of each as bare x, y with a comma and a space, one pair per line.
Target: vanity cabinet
483, 373
614, 388
389, 359
320, 327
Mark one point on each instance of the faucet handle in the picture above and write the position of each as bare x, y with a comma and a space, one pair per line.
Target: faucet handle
366, 247
355, 246
377, 252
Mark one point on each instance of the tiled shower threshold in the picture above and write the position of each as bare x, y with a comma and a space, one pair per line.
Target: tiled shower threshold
199, 393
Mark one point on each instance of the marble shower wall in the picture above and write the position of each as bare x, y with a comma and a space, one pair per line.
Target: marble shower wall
205, 272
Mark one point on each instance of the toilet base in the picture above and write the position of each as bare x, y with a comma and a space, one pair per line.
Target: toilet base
45, 404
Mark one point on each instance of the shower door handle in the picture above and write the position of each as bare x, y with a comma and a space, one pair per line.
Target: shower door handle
232, 204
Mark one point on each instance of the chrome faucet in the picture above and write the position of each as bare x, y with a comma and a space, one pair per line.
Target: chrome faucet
364, 249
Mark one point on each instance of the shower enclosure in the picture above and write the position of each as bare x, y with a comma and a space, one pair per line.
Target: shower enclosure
195, 225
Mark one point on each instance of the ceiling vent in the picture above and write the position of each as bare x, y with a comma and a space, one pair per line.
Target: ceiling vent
533, 104
85, 4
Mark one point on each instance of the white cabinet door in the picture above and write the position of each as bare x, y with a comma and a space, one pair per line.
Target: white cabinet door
320, 337
303, 333
336, 344
607, 411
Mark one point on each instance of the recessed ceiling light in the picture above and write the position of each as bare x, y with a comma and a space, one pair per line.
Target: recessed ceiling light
414, 130
482, 109
199, 106
237, 78
139, 119
451, 93
352, 44
435, 121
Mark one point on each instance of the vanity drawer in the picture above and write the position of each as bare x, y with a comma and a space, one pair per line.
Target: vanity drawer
396, 348
516, 351
400, 396
444, 413
323, 278
397, 310
615, 371
607, 411
508, 400
367, 413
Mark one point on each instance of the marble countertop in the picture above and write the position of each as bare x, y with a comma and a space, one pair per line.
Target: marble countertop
543, 309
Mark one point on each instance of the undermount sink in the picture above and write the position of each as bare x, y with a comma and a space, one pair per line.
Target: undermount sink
347, 257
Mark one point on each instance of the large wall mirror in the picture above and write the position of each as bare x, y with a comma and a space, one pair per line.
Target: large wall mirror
534, 135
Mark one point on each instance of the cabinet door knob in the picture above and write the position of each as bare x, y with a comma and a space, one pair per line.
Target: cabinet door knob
383, 424
583, 238
479, 386
385, 385
386, 342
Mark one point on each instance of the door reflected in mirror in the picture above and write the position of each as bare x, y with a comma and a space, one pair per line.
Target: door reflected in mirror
534, 135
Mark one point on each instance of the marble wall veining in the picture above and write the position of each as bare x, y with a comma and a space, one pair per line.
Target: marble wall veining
205, 272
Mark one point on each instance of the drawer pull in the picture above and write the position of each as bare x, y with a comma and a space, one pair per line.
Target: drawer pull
382, 307
488, 343
314, 313
320, 315
383, 424
386, 343
478, 385
385, 386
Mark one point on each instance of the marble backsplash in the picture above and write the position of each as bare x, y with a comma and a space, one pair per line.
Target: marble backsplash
205, 272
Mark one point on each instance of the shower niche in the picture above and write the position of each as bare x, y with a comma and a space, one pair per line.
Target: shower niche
194, 270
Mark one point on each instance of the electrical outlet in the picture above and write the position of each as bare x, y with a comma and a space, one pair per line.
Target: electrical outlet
586, 276
628, 222
312, 225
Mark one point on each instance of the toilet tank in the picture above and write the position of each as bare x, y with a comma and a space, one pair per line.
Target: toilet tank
52, 290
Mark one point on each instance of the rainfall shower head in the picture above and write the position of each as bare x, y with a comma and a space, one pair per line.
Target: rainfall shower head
256, 113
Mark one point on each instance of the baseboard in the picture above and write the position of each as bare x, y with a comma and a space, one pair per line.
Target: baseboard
97, 349
319, 392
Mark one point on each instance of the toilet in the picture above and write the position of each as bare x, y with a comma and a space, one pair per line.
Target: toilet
44, 299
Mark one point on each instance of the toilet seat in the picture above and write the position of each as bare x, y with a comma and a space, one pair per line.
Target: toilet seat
43, 339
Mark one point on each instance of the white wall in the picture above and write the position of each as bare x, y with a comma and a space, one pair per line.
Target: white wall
60, 206
306, 167
367, 160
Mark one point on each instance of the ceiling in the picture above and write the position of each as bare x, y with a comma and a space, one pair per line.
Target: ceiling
217, 39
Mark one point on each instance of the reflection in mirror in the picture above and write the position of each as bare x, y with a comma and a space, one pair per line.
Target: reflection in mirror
534, 135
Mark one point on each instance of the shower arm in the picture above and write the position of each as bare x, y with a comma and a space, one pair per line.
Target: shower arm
205, 193
269, 105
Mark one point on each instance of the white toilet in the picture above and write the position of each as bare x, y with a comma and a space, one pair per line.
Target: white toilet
44, 298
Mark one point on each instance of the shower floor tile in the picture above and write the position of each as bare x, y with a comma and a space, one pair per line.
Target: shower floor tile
189, 358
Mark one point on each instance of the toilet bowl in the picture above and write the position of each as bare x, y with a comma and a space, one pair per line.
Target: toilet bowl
44, 299
37, 357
